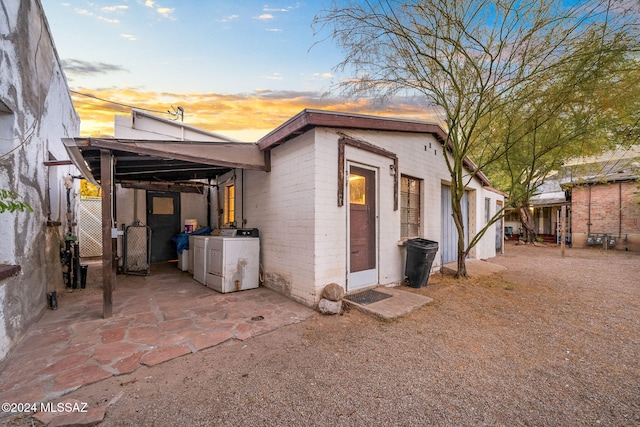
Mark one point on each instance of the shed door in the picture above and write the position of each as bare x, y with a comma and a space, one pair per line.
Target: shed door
362, 248
163, 218
449, 233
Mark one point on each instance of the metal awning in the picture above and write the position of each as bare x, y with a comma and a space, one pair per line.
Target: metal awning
150, 164
162, 161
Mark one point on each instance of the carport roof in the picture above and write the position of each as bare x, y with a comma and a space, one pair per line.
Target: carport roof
162, 161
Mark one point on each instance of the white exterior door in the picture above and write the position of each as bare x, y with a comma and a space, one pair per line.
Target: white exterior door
362, 227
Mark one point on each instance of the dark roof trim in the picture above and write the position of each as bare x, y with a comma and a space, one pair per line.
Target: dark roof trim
7, 270
308, 119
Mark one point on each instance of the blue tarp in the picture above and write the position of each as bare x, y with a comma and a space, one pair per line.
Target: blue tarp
182, 239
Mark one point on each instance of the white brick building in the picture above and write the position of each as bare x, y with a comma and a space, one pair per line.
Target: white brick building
309, 206
334, 196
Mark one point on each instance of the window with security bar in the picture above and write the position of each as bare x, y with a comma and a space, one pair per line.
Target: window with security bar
410, 207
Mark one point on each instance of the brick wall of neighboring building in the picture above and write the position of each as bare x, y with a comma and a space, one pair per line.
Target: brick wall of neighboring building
609, 208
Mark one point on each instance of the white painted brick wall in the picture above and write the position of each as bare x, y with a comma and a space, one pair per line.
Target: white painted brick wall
303, 231
281, 205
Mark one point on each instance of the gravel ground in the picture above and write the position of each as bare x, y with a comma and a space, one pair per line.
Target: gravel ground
550, 342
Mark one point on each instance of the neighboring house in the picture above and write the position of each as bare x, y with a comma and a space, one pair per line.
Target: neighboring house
547, 209
343, 194
35, 112
601, 198
604, 201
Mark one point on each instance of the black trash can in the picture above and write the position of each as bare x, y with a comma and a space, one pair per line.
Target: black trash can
83, 275
420, 256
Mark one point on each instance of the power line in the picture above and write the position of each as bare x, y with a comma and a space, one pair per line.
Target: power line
612, 168
88, 95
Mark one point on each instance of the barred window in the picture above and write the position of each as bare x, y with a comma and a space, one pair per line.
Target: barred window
409, 207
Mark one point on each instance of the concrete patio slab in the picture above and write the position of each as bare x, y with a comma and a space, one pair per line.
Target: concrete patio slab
401, 303
155, 318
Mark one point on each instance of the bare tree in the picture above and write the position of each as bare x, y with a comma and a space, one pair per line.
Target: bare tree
475, 60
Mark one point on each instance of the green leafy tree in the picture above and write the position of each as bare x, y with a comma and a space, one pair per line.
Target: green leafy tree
476, 61
10, 202
575, 114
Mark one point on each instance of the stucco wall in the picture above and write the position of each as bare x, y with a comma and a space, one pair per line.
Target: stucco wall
142, 125
606, 208
304, 231
36, 111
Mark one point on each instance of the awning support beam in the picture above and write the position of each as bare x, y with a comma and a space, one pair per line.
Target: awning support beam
108, 279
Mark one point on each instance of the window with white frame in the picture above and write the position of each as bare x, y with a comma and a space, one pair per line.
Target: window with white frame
410, 207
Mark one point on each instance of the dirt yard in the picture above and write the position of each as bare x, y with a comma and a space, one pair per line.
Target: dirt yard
552, 341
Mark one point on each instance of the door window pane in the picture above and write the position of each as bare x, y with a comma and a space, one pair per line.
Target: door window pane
162, 206
357, 187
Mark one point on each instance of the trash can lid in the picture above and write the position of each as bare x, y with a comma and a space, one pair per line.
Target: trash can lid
423, 243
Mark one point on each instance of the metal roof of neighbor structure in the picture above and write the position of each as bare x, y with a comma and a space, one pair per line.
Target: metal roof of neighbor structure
619, 164
141, 121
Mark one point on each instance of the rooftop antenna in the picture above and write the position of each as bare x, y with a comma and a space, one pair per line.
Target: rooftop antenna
177, 113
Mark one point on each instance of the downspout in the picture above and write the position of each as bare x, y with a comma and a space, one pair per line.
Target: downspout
589, 217
114, 222
243, 221
620, 209
135, 204
218, 214
209, 202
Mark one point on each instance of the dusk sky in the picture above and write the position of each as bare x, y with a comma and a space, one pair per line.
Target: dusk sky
240, 68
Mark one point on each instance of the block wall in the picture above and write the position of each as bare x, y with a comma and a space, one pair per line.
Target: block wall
303, 230
281, 204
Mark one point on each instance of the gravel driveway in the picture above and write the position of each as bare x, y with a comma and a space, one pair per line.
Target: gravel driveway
550, 342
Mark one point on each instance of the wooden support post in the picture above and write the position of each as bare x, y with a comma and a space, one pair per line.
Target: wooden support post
563, 228
107, 250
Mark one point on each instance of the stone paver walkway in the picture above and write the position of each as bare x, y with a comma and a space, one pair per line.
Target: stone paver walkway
155, 318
